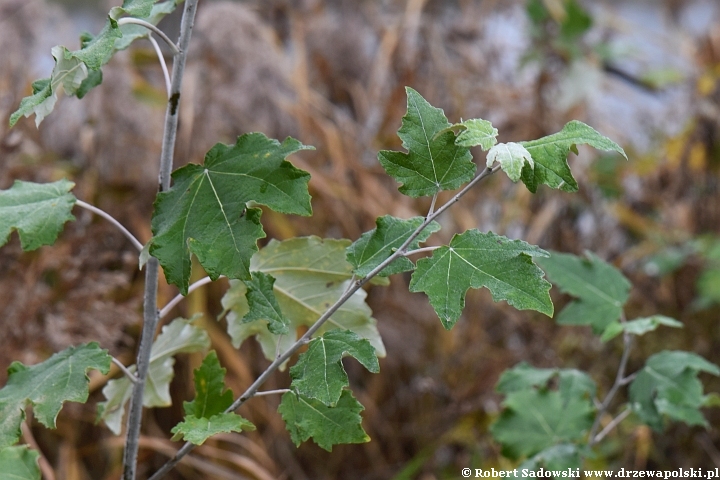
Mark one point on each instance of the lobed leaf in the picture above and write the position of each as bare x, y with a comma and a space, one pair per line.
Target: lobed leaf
668, 385
310, 275
550, 155
536, 416
377, 245
205, 416
205, 212
19, 463
46, 386
434, 162
639, 326
263, 305
512, 158
37, 211
474, 260
476, 132
180, 336
600, 289
319, 373
307, 418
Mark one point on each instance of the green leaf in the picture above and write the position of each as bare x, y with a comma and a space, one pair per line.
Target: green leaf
41, 103
536, 416
205, 416
205, 212
196, 430
328, 426
180, 336
433, 163
558, 458
93, 79
669, 385
37, 211
263, 305
310, 275
512, 158
639, 326
475, 259
375, 246
601, 290
19, 463
476, 132
550, 155
46, 386
319, 372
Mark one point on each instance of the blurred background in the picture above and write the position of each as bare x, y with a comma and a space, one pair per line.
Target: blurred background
646, 73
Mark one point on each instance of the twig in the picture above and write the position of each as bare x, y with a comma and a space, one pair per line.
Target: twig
150, 313
252, 390
610, 426
45, 468
620, 380
131, 376
179, 297
153, 29
136, 243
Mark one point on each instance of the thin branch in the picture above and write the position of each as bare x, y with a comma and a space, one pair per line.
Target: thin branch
610, 426
153, 29
131, 376
179, 297
420, 250
252, 390
136, 243
150, 313
272, 392
163, 64
45, 468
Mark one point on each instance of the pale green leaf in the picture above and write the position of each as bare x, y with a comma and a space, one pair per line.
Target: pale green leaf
37, 211
375, 246
211, 396
310, 275
180, 336
512, 158
46, 386
668, 385
600, 289
550, 155
476, 132
474, 260
536, 416
41, 102
433, 163
263, 305
198, 429
19, 463
639, 326
205, 211
69, 72
328, 426
319, 372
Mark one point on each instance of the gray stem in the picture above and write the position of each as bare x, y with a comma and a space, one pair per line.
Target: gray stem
253, 389
150, 312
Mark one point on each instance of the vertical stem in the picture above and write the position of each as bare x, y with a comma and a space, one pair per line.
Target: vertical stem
150, 315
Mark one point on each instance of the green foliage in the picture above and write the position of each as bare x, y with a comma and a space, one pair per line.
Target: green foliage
550, 155
536, 416
46, 386
328, 426
600, 288
512, 158
205, 416
37, 211
639, 326
205, 212
475, 259
669, 385
476, 132
19, 463
434, 162
319, 373
262, 304
310, 275
377, 245
78, 71
180, 336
